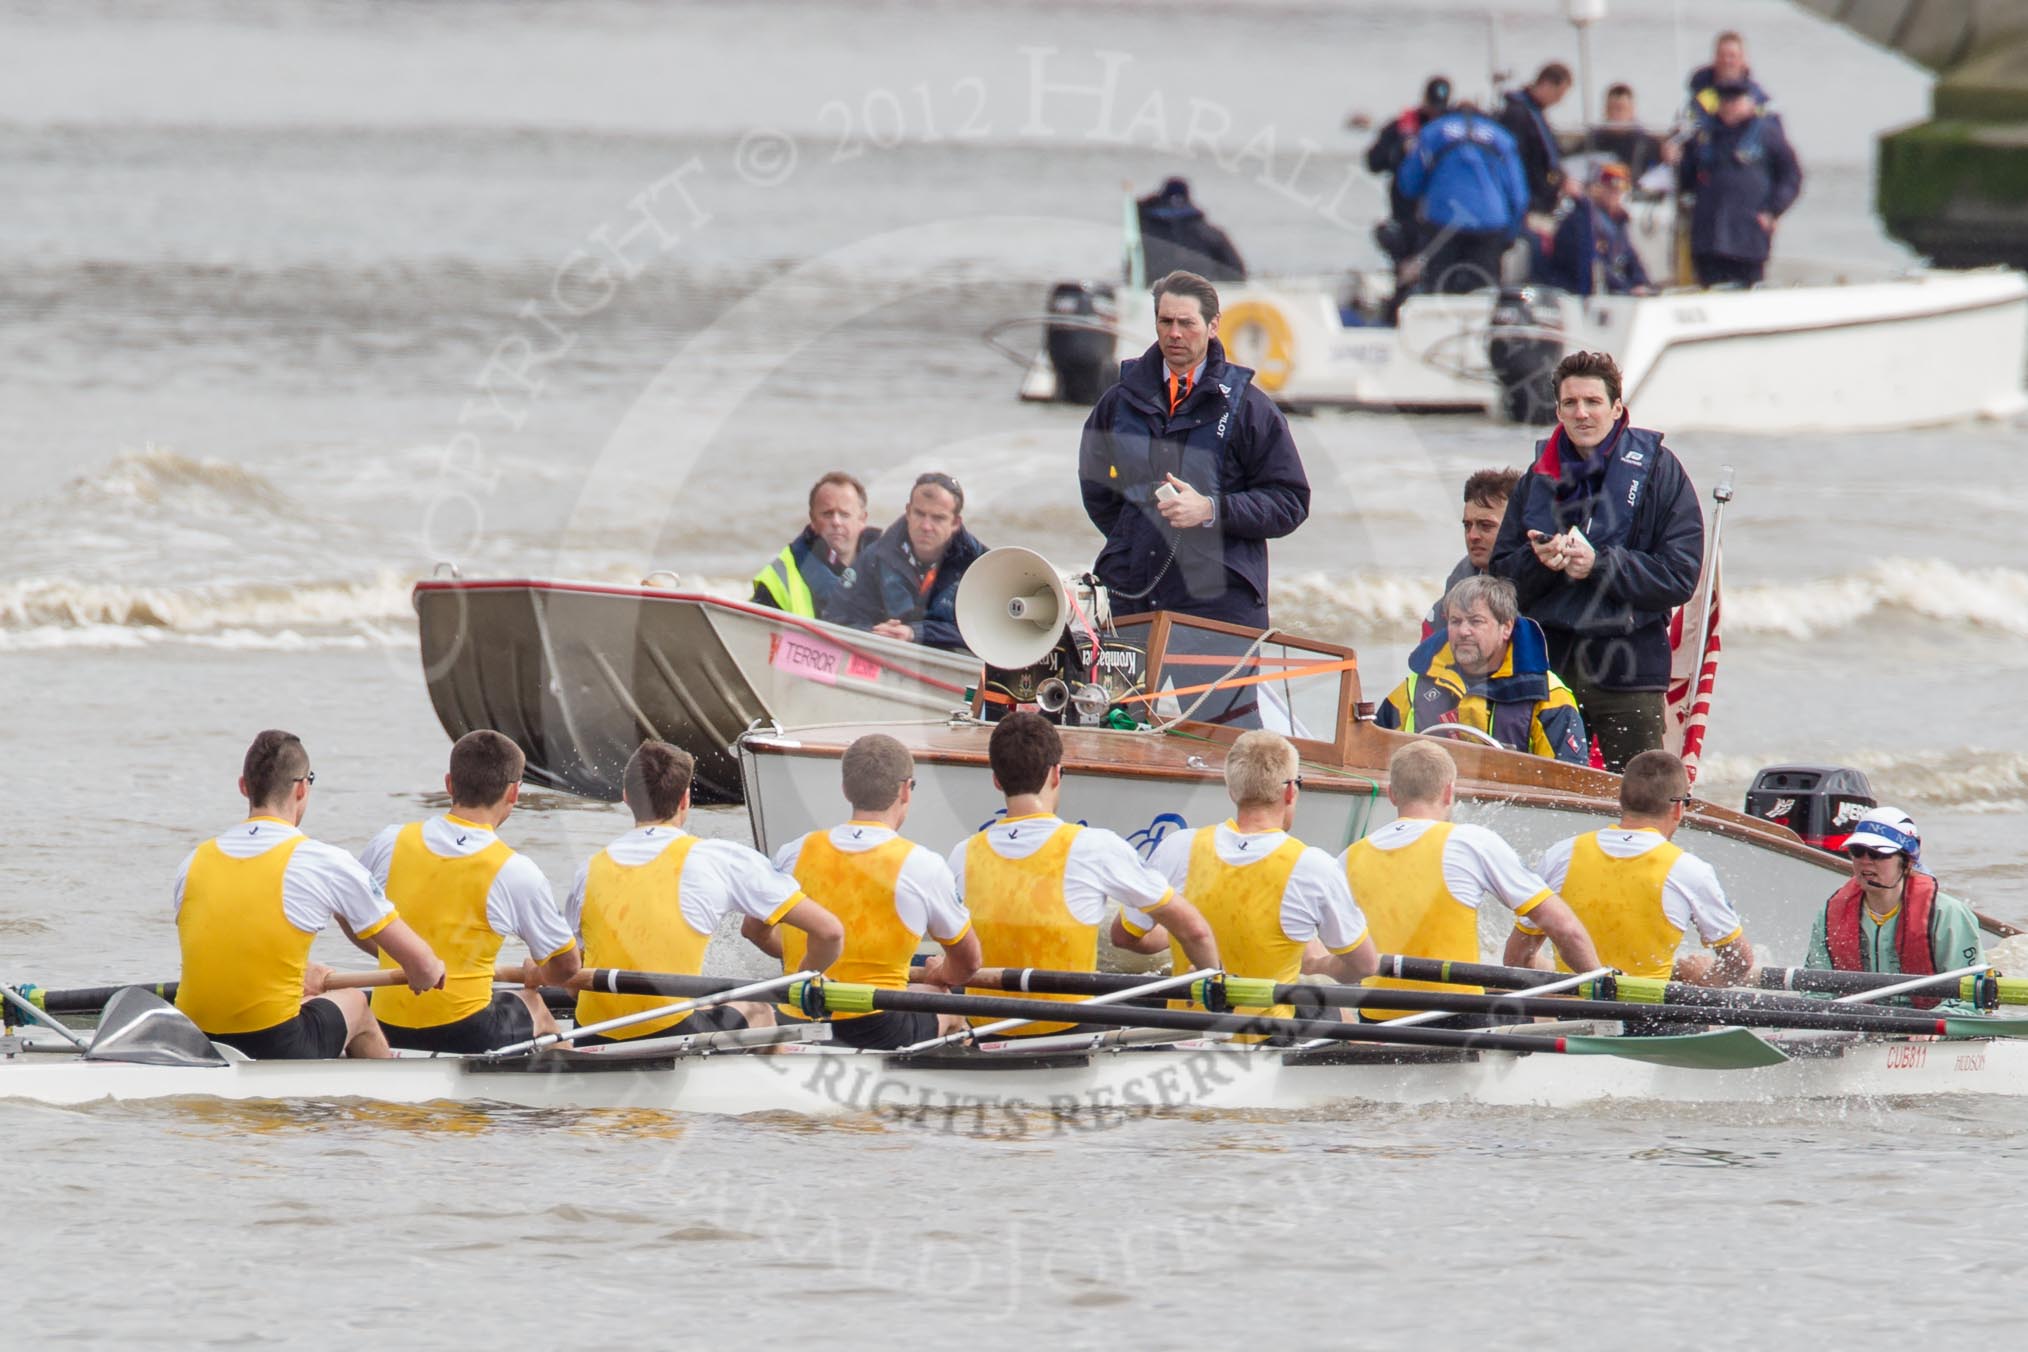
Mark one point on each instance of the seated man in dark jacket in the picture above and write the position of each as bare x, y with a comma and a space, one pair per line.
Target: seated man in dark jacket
1603, 539
1489, 669
816, 572
1593, 251
1188, 470
910, 590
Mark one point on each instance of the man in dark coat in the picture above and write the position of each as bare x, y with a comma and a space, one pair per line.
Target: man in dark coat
1593, 250
1525, 115
1603, 539
1184, 421
1175, 233
910, 591
1745, 176
1728, 66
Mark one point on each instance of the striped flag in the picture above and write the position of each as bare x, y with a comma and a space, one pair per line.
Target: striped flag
1693, 656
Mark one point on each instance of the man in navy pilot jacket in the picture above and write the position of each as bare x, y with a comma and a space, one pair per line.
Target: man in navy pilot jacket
1184, 418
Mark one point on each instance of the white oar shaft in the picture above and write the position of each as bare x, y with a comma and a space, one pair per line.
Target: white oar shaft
1428, 1016
768, 987
1921, 983
42, 1016
1111, 998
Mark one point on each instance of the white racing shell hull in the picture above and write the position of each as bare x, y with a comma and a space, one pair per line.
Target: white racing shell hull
824, 1082
578, 673
1777, 892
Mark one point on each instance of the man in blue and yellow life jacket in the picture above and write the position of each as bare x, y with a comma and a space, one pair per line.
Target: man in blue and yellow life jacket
651, 901
887, 892
1728, 66
465, 891
1745, 175
1038, 886
1269, 898
1891, 917
816, 573
1421, 878
1638, 893
248, 904
1489, 670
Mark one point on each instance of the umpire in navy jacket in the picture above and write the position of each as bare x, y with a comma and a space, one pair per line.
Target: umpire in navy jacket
1183, 416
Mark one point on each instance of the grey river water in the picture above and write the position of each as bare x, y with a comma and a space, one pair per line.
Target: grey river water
293, 303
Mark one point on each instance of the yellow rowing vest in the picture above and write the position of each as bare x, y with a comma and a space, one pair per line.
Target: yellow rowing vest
243, 962
633, 919
1023, 920
1411, 909
443, 900
1243, 905
859, 890
1619, 902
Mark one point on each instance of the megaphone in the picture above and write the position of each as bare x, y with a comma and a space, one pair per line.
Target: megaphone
1012, 607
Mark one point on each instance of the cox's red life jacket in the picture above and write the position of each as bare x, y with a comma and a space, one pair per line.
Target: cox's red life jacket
1914, 942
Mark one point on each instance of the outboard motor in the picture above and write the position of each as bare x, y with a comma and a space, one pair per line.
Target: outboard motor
1523, 347
1820, 803
1082, 340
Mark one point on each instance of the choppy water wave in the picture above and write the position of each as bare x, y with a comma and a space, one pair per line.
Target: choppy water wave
1961, 779
41, 613
1930, 589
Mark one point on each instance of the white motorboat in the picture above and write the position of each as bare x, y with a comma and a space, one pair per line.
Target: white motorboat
577, 673
1924, 348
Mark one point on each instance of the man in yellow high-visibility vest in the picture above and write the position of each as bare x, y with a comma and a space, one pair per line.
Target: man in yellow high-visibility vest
816, 573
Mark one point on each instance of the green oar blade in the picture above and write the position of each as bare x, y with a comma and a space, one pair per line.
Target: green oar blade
1722, 1049
1972, 1026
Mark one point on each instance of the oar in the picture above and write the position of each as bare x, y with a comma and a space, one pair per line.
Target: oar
1819, 1016
1599, 985
1433, 1014
1155, 987
1975, 984
26, 1006
1729, 1049
1983, 986
92, 999
720, 997
1903, 987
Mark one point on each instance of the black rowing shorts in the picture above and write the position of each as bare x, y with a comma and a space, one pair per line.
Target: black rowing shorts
317, 1033
505, 1021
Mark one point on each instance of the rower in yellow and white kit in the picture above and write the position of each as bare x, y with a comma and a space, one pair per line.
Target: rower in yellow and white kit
465, 890
887, 891
250, 902
1266, 895
1420, 878
1638, 893
1037, 886
652, 899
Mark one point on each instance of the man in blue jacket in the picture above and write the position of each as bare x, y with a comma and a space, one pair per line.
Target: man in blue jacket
1728, 66
910, 591
1593, 251
1744, 175
1466, 173
1603, 539
1188, 470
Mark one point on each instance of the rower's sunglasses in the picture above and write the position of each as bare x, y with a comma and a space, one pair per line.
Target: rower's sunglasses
307, 777
1871, 851
1297, 781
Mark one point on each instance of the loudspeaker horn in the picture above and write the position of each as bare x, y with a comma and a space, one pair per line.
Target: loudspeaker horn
1012, 606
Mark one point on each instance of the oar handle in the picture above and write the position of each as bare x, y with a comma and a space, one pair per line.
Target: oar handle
394, 976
